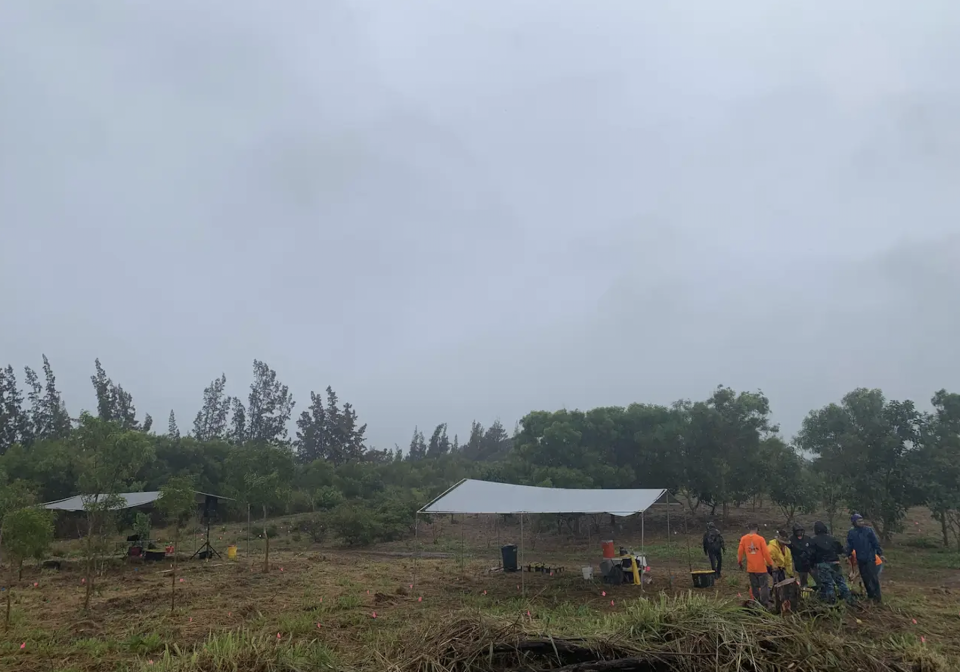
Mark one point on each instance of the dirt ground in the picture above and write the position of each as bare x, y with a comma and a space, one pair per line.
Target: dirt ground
352, 600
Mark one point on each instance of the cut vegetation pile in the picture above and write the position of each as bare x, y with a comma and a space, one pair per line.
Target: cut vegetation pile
684, 634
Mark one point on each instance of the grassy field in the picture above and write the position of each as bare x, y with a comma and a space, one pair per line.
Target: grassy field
322, 608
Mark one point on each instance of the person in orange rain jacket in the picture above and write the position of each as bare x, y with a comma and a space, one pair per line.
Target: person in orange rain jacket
753, 549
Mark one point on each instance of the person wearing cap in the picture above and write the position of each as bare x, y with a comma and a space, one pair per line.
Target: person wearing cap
782, 564
800, 550
753, 549
862, 540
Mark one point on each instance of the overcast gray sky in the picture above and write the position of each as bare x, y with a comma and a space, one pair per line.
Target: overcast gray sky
459, 210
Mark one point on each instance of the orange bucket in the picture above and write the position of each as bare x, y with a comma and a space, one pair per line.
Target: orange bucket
607, 549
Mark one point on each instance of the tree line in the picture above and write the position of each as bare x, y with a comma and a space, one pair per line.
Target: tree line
865, 452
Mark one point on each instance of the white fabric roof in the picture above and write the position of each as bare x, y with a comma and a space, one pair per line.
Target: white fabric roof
470, 496
131, 500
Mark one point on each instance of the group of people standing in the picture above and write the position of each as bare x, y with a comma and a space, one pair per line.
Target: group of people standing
797, 555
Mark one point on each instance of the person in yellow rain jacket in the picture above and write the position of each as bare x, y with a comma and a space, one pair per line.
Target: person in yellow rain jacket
781, 556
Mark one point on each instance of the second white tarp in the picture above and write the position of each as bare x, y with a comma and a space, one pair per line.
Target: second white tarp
470, 496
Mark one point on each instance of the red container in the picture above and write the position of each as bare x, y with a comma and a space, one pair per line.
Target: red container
608, 551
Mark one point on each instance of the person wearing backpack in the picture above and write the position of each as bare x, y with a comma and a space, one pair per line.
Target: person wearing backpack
713, 548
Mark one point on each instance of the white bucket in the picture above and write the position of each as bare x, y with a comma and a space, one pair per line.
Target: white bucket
587, 573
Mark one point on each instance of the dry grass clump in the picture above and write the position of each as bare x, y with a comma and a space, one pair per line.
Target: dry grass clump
243, 651
682, 634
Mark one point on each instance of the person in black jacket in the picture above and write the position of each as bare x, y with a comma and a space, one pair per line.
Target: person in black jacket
824, 554
713, 548
799, 548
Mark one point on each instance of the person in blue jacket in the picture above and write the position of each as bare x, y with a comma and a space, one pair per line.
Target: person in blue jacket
862, 539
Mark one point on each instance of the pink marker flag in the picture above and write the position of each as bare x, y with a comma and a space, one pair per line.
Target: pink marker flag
914, 621
191, 619
318, 625
83, 580
23, 646
281, 569
611, 603
278, 635
528, 614
36, 585
181, 580
484, 592
411, 586
923, 640
420, 599
603, 594
374, 614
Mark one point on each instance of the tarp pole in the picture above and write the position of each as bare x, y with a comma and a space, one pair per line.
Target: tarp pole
643, 544
463, 569
668, 515
523, 587
416, 541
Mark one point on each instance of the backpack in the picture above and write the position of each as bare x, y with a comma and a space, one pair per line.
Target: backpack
714, 540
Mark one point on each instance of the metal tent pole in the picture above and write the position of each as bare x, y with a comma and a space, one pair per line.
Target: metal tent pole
416, 541
523, 587
463, 569
643, 543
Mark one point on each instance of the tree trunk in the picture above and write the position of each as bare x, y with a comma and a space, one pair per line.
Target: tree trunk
20, 571
266, 541
90, 562
943, 529
6, 624
173, 580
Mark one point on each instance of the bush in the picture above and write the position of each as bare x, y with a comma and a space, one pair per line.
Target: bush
272, 532
327, 498
356, 524
359, 523
300, 502
315, 527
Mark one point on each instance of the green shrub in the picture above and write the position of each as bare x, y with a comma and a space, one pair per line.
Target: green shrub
355, 524
315, 527
327, 498
272, 531
389, 518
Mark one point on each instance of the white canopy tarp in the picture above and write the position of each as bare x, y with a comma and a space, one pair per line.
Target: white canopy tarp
130, 500
471, 496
